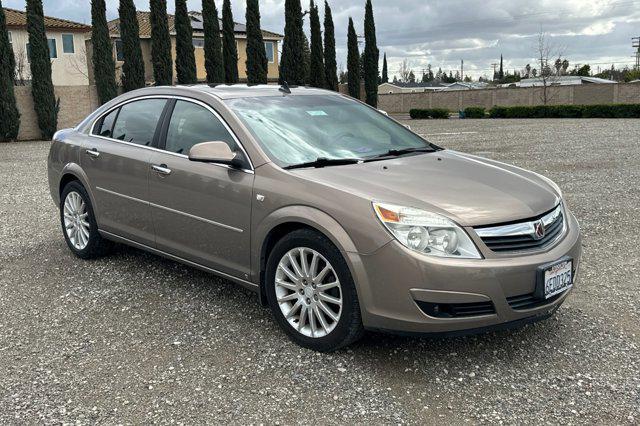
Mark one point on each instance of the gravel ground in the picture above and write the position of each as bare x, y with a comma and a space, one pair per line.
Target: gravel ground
133, 338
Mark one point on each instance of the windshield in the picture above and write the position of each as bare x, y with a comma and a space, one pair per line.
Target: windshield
301, 129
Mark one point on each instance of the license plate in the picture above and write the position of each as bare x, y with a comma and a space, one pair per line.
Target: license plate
556, 278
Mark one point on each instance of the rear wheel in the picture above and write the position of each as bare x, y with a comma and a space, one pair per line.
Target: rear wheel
311, 292
78, 223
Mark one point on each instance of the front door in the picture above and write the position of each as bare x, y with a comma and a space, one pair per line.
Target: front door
201, 211
116, 162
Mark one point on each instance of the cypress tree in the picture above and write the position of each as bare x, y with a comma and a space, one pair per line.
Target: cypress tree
306, 59
385, 72
9, 115
185, 56
371, 57
292, 61
316, 62
353, 62
229, 50
104, 67
133, 67
212, 43
501, 72
330, 65
257, 61
160, 43
44, 99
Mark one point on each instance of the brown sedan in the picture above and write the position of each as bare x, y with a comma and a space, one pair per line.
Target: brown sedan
338, 216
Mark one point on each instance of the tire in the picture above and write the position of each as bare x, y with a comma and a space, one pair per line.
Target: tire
87, 244
336, 325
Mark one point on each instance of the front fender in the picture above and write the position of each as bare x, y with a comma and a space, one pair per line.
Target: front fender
306, 215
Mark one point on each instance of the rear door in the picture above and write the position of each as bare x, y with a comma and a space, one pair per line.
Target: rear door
201, 211
116, 162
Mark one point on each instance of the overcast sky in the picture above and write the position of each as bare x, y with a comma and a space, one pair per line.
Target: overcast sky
442, 32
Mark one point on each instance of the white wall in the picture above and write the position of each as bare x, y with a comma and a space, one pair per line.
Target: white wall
68, 69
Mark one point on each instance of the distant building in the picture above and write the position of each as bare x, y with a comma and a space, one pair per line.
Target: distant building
459, 85
433, 86
66, 48
398, 87
565, 80
271, 41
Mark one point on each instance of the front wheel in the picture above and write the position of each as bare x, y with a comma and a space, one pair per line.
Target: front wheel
311, 292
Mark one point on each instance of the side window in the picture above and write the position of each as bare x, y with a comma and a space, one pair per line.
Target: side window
106, 126
138, 120
192, 124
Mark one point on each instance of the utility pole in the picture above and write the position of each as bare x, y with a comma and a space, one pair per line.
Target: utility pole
462, 69
636, 45
494, 71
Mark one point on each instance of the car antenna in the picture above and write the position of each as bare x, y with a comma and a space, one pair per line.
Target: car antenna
284, 87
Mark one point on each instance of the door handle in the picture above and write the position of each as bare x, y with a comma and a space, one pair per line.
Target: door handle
161, 169
93, 153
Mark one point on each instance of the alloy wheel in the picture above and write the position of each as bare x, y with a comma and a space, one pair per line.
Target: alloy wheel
76, 220
308, 292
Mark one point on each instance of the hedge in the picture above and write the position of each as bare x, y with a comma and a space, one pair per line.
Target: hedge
474, 112
567, 111
429, 113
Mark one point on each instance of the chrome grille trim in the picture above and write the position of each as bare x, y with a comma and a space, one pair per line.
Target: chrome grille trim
522, 236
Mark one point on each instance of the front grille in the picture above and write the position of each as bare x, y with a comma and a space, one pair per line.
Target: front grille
521, 236
456, 310
529, 301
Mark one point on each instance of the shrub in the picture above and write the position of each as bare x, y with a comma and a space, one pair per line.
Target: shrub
474, 112
567, 111
439, 113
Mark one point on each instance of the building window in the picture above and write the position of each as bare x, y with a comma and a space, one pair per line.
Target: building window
10, 39
268, 47
53, 52
119, 52
67, 44
198, 42
53, 49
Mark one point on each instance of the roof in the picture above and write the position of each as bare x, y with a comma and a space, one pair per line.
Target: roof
416, 84
18, 18
232, 91
144, 22
564, 80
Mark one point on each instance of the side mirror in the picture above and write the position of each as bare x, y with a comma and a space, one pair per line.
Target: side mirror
214, 152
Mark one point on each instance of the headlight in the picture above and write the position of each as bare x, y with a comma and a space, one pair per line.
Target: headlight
426, 232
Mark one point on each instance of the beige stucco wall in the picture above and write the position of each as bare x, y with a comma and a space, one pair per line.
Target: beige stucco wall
68, 69
76, 102
586, 94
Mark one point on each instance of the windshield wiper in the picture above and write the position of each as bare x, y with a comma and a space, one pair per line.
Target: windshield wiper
399, 152
324, 162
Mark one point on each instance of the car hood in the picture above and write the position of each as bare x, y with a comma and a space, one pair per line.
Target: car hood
468, 189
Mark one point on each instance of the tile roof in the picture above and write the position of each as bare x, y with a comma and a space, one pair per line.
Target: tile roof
144, 21
18, 18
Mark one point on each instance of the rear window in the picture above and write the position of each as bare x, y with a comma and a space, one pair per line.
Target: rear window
137, 121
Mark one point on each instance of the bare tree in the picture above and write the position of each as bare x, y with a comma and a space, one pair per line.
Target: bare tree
545, 52
20, 73
79, 63
404, 71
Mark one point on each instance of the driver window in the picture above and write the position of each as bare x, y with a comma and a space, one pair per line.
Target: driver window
192, 124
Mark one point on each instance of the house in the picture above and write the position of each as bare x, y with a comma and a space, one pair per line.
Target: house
66, 48
459, 85
270, 40
565, 80
408, 87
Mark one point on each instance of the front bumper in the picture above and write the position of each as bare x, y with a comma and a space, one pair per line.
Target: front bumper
396, 287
